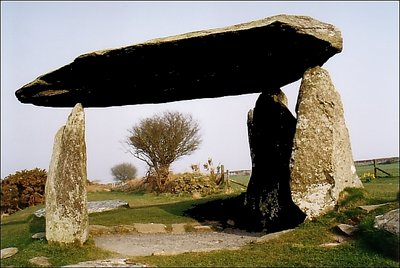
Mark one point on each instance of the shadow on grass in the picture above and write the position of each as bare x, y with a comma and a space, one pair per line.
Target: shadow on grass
375, 240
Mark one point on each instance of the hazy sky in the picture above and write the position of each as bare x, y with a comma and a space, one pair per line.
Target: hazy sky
39, 37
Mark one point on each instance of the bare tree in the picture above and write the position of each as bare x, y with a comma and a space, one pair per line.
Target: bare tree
162, 139
123, 172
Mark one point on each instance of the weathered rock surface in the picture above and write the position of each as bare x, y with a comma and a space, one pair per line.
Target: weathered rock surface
256, 56
8, 252
321, 162
388, 221
347, 229
38, 236
66, 200
93, 207
271, 129
108, 263
40, 261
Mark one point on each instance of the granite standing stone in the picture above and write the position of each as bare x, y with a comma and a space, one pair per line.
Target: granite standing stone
66, 200
321, 162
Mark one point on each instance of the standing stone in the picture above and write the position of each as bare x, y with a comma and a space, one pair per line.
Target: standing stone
66, 200
321, 162
268, 201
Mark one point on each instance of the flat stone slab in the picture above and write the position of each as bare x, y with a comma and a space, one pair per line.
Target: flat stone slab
178, 228
146, 228
171, 244
369, 208
107, 263
240, 59
40, 261
8, 252
94, 206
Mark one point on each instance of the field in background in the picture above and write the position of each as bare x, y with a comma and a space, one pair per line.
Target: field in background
292, 249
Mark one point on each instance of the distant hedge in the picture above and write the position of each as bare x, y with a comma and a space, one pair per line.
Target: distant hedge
23, 189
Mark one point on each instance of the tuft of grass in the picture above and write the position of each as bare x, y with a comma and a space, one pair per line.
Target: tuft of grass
17, 232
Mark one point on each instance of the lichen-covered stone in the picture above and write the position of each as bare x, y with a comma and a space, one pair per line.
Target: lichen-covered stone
251, 57
268, 199
66, 200
321, 162
388, 222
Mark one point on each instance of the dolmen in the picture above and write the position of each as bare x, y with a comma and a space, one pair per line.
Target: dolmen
300, 163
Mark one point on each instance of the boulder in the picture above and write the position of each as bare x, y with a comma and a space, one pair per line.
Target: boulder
388, 222
66, 200
251, 57
268, 201
321, 161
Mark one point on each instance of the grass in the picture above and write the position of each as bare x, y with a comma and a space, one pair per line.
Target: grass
300, 247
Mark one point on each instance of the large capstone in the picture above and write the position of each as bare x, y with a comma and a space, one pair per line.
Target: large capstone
251, 57
321, 162
66, 200
268, 202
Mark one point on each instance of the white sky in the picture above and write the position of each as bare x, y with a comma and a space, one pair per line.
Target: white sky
39, 37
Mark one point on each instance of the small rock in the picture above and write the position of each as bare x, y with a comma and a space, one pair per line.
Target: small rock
202, 228
230, 222
40, 261
347, 229
329, 245
178, 228
145, 228
8, 252
41, 235
388, 222
271, 236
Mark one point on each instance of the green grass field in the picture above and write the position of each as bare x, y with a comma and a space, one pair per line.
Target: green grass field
300, 247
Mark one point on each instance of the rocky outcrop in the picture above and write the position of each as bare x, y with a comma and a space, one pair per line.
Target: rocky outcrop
268, 200
66, 200
252, 57
321, 162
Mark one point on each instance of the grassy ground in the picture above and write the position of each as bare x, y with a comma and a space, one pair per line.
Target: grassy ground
300, 247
